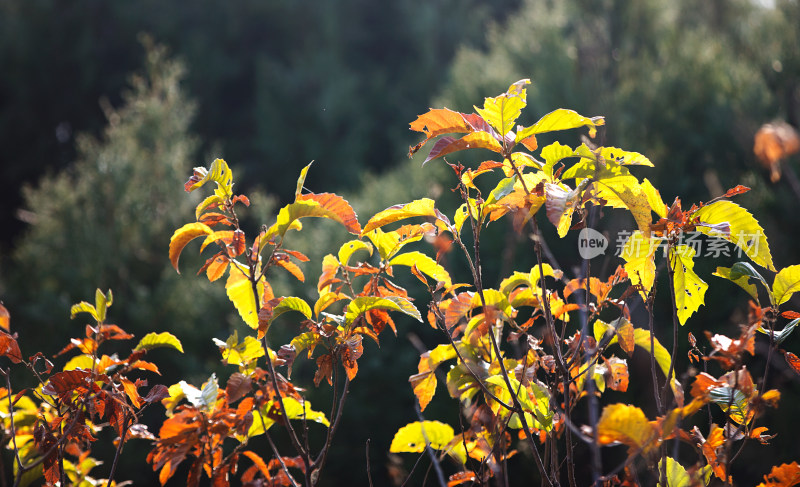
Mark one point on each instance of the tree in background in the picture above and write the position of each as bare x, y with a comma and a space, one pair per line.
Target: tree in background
86, 224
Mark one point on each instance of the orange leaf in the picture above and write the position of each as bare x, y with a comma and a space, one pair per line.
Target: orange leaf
130, 390
711, 446
793, 361
772, 143
622, 423
438, 122
617, 377
626, 338
258, 461
5, 318
785, 475
447, 145
336, 208
461, 478
183, 236
290, 266
351, 352
9, 348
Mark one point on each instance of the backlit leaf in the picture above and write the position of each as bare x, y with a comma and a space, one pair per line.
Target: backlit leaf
158, 340
83, 307
623, 157
745, 231
561, 119
220, 173
786, 283
654, 198
475, 140
417, 208
413, 437
676, 474
552, 154
362, 304
690, 290
501, 112
10, 348
561, 203
349, 248
626, 424
183, 236
425, 264
639, 255
785, 475
437, 122
336, 208
5, 318
302, 179
240, 292
743, 281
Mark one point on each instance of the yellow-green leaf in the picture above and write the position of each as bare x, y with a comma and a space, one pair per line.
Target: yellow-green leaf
425, 264
349, 248
786, 283
159, 340
690, 290
561, 119
220, 173
413, 437
676, 474
183, 236
639, 255
239, 353
501, 112
654, 198
102, 302
552, 154
745, 231
79, 362
362, 304
302, 179
623, 157
83, 307
291, 303
389, 243
417, 208
262, 420
240, 292
743, 281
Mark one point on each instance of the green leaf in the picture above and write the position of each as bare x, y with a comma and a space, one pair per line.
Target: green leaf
425, 264
413, 437
101, 303
211, 200
302, 179
552, 154
493, 298
417, 208
690, 290
745, 231
561, 119
743, 281
501, 112
732, 401
349, 248
503, 188
780, 336
159, 340
676, 474
291, 303
786, 283
362, 304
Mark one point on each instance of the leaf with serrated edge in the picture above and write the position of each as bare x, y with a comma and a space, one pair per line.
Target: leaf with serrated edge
240, 292
501, 112
425, 264
183, 236
654, 198
475, 140
362, 304
639, 255
302, 179
786, 283
561, 119
745, 231
414, 437
743, 281
417, 208
158, 340
689, 288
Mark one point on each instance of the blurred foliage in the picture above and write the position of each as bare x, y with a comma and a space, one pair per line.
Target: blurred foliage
278, 82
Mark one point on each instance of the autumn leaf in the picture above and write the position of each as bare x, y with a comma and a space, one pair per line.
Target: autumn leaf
240, 292
741, 280
639, 255
437, 122
501, 112
424, 264
690, 290
183, 236
349, 248
785, 475
475, 140
413, 437
158, 340
5, 318
9, 348
417, 208
561, 119
626, 424
745, 231
786, 283
362, 304
219, 172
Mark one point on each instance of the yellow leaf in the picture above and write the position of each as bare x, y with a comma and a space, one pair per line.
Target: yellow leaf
413, 437
561, 119
621, 423
425, 264
351, 247
654, 198
690, 290
417, 208
786, 283
639, 254
745, 231
502, 111
240, 292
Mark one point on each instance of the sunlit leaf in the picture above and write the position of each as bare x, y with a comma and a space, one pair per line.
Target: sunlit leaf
437, 122
183, 236
220, 173
743, 281
745, 231
413, 437
302, 179
626, 424
501, 112
349, 248
5, 318
362, 304
561, 119
240, 292
158, 340
83, 307
690, 290
676, 474
296, 410
425, 264
475, 140
786, 283
784, 475
623, 157
639, 255
417, 208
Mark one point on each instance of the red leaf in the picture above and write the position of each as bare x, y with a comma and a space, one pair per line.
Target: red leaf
240, 198
63, 384
461, 478
350, 354
259, 462
447, 145
324, 369
790, 315
238, 386
9, 347
793, 361
237, 245
157, 393
736, 190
